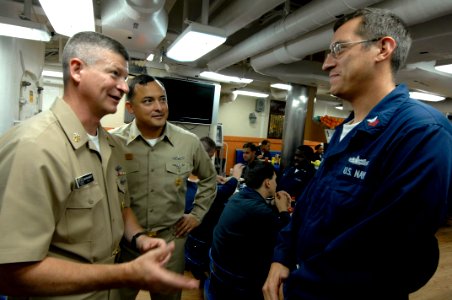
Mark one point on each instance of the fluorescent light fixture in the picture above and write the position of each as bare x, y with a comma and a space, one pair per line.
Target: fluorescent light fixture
49, 73
69, 17
224, 78
426, 97
150, 57
281, 86
250, 93
23, 29
196, 41
444, 68
339, 107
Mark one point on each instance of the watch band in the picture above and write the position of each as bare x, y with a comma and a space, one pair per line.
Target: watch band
133, 242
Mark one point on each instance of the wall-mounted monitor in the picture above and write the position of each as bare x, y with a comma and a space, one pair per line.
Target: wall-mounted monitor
189, 101
192, 101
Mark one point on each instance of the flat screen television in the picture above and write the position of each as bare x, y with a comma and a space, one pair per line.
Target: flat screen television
191, 101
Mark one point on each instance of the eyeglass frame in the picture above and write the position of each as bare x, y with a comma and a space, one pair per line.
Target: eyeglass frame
335, 53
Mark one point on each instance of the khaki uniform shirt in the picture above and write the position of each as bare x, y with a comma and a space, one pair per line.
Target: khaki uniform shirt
157, 175
58, 196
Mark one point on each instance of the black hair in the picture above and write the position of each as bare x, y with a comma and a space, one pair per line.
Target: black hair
208, 143
257, 172
251, 146
141, 79
306, 151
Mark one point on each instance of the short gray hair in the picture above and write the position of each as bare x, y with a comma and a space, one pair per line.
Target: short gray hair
375, 23
86, 45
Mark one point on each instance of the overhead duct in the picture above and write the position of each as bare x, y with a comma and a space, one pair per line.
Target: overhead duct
140, 25
310, 17
411, 11
241, 13
303, 72
313, 42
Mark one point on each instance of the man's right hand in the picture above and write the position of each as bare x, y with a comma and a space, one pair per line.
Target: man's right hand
277, 274
237, 170
148, 272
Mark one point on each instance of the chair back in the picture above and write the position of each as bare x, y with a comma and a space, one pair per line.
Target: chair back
197, 257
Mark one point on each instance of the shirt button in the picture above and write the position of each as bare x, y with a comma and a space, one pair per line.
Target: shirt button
152, 170
152, 190
90, 201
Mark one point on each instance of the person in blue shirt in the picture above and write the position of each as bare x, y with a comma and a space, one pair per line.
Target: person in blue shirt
296, 177
365, 226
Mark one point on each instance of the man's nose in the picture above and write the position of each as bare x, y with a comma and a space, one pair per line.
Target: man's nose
329, 62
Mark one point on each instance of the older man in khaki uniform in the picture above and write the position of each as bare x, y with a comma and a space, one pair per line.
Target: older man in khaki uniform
63, 198
160, 158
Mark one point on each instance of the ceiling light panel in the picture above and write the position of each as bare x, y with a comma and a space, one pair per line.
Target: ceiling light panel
23, 29
69, 17
196, 41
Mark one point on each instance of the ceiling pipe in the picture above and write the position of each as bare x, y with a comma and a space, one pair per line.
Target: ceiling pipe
241, 13
313, 42
205, 12
309, 17
411, 11
27, 10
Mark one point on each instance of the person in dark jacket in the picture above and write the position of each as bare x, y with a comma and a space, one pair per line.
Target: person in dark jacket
245, 235
296, 177
365, 226
263, 151
199, 239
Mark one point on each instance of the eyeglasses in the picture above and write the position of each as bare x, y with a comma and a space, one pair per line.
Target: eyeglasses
338, 47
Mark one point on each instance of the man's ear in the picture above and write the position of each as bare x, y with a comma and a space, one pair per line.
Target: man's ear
76, 66
129, 107
267, 182
388, 46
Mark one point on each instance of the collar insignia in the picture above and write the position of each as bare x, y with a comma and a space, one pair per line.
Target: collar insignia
373, 122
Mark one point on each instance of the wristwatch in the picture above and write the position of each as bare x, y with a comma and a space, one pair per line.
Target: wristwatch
133, 242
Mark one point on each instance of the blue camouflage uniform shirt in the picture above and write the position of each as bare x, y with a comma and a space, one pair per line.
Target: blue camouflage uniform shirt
365, 226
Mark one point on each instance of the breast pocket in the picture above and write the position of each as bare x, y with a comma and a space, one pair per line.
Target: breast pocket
82, 212
179, 168
136, 178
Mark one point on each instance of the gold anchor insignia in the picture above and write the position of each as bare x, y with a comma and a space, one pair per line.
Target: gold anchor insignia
76, 137
178, 181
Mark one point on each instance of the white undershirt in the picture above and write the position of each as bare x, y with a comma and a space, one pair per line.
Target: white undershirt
95, 140
347, 128
152, 142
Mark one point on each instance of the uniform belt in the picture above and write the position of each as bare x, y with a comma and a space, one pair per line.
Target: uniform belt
155, 233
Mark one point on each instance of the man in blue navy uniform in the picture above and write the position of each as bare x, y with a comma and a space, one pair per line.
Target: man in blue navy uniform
365, 226
297, 176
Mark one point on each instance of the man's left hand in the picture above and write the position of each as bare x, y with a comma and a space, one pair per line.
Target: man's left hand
186, 224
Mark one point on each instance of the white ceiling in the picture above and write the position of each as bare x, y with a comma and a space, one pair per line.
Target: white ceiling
268, 40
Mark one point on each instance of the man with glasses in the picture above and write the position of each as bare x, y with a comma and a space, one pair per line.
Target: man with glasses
365, 226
